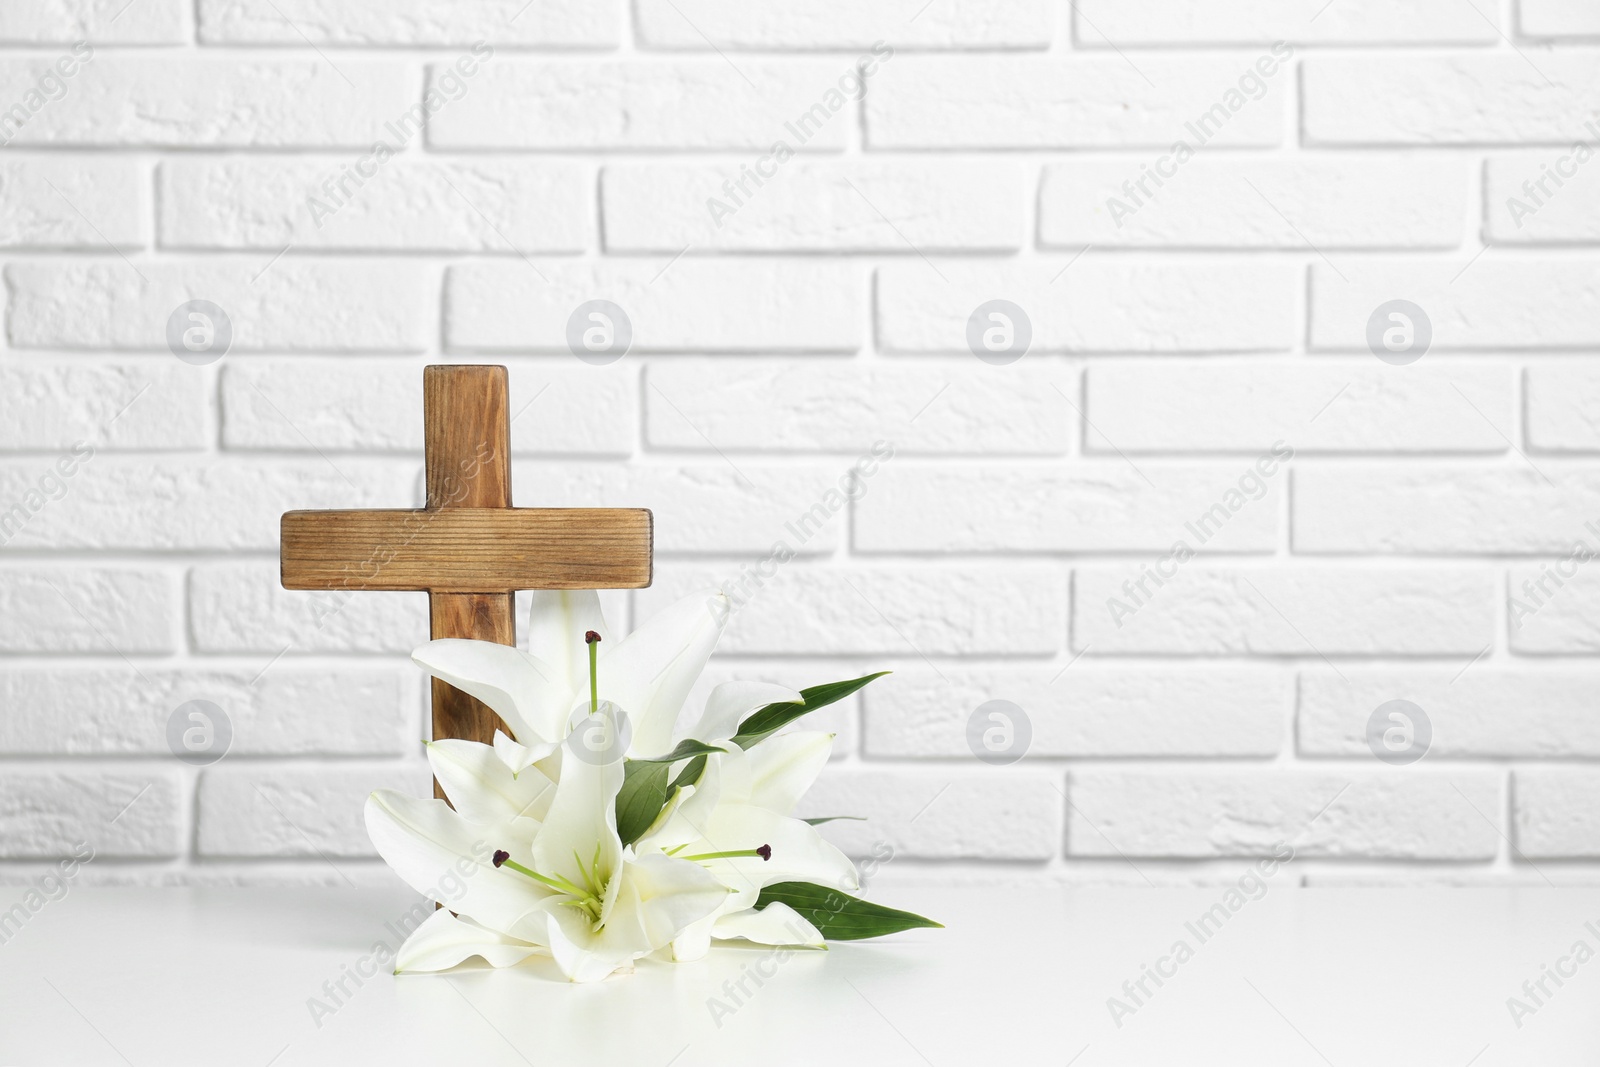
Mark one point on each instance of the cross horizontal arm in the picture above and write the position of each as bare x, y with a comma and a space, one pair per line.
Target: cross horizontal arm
468, 550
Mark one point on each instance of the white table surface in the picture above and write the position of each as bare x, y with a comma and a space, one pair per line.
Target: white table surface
1301, 976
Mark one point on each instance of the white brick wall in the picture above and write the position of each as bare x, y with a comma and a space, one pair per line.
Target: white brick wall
1200, 533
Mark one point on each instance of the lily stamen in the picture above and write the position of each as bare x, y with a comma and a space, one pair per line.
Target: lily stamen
765, 852
592, 639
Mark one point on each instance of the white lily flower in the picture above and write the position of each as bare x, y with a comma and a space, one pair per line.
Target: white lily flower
538, 693
559, 880
743, 798
529, 861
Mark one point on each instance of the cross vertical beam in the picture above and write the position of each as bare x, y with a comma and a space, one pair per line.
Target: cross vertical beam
467, 431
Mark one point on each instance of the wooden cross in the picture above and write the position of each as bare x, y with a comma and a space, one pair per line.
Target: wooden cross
469, 548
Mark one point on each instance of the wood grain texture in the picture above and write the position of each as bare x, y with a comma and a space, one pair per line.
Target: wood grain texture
483, 617
468, 550
467, 430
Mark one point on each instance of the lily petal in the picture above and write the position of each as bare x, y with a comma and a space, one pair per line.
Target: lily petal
444, 940
517, 757
783, 767
578, 840
432, 848
672, 894
557, 622
776, 924
480, 785
521, 689
731, 702
799, 853
651, 671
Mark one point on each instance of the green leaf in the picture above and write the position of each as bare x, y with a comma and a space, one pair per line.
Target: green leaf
643, 795
831, 818
769, 720
691, 772
686, 748
839, 916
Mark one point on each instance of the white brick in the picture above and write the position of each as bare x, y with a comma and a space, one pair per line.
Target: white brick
838, 24
1500, 97
1551, 197
75, 608
211, 502
994, 813
186, 101
429, 23
1362, 201
78, 203
1562, 404
683, 306
243, 607
1401, 814
119, 814
1558, 18
910, 612
1087, 101
376, 405
406, 205
768, 406
136, 404
1300, 611
97, 711
100, 22
1537, 304
258, 811
293, 304
1103, 23
695, 104
867, 206
700, 508
1485, 711
1084, 710
1325, 406
1104, 507
1094, 307
1557, 812
1554, 605
1440, 509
